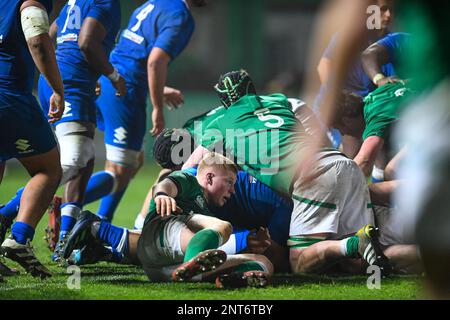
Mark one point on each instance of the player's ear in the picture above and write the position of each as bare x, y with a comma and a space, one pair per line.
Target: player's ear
209, 178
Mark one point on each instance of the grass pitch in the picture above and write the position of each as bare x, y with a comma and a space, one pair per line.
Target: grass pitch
109, 281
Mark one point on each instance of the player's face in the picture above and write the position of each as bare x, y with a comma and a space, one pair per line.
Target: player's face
387, 13
220, 186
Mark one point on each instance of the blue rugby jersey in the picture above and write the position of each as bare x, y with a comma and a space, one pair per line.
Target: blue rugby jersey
70, 59
255, 205
16, 63
166, 24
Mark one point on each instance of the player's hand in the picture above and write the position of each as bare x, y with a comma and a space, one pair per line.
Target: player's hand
158, 122
98, 89
173, 98
258, 242
56, 107
165, 206
120, 86
387, 80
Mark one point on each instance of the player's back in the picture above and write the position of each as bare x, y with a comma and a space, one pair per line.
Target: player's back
167, 24
264, 136
70, 59
16, 64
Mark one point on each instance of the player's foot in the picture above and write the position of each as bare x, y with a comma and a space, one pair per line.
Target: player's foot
90, 254
54, 223
369, 249
5, 224
23, 254
7, 271
205, 261
81, 233
253, 279
57, 255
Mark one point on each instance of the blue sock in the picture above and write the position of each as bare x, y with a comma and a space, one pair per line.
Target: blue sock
100, 184
109, 204
375, 180
241, 239
69, 215
11, 209
114, 236
21, 232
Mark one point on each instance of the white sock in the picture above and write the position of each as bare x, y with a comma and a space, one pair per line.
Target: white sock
139, 222
71, 210
230, 246
344, 247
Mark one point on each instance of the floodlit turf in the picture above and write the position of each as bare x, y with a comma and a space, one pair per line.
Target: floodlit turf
109, 281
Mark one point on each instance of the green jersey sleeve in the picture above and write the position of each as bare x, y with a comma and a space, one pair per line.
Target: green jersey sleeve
382, 108
185, 182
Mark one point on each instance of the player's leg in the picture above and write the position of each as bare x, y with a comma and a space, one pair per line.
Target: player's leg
123, 174
90, 229
160, 249
77, 160
334, 206
124, 121
402, 254
404, 258
46, 173
209, 233
241, 270
27, 136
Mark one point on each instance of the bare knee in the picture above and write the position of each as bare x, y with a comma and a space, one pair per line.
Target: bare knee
224, 228
122, 174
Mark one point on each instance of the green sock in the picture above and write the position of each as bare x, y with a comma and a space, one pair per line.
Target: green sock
352, 247
201, 241
248, 266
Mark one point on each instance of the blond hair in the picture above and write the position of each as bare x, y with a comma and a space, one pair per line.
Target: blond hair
213, 159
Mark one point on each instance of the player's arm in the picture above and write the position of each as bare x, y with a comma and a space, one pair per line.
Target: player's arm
157, 65
367, 154
381, 193
53, 32
35, 27
164, 194
260, 242
90, 41
324, 69
373, 58
195, 158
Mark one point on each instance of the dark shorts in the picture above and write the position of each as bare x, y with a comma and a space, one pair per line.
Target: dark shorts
24, 129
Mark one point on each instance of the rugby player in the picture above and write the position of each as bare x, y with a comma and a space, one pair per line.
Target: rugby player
25, 132
180, 234
157, 32
321, 210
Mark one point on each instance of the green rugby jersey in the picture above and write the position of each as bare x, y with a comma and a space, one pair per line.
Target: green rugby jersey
382, 109
197, 125
427, 58
262, 135
190, 195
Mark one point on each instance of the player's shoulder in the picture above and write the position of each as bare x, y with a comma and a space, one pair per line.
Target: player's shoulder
172, 6
394, 38
183, 177
275, 99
